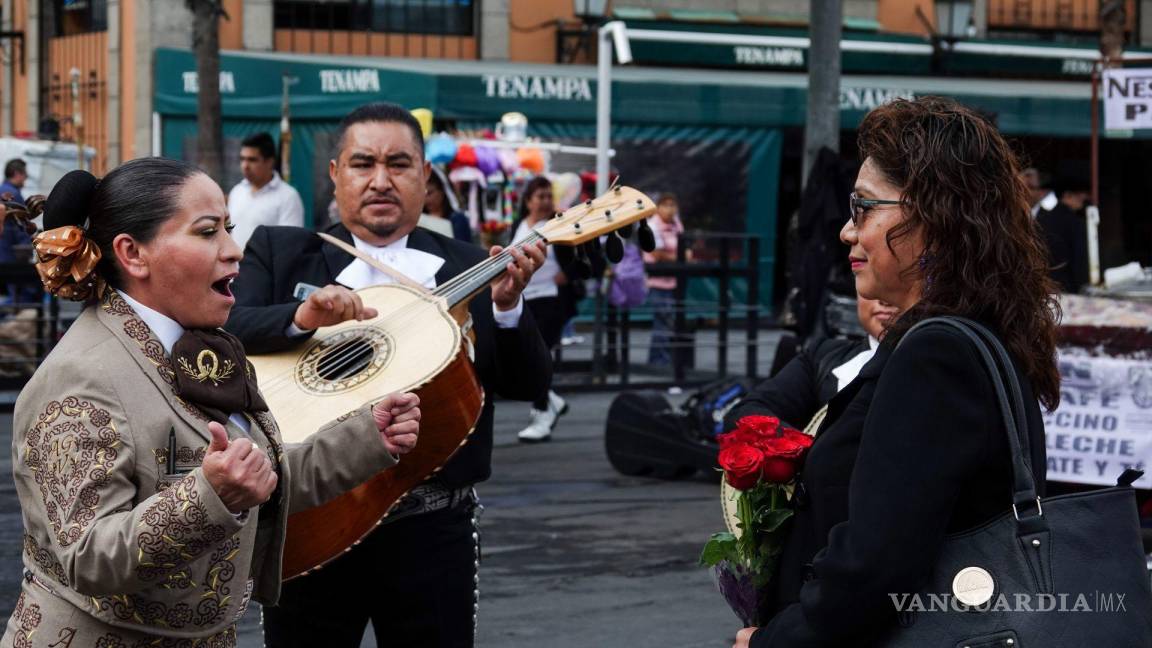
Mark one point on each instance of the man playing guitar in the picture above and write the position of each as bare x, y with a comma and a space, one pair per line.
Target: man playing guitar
416, 576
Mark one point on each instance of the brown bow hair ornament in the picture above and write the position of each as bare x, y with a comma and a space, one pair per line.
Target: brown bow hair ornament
67, 263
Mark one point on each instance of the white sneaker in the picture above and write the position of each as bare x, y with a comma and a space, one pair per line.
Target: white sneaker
540, 429
558, 405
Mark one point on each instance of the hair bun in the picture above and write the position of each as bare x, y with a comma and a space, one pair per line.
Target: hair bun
70, 200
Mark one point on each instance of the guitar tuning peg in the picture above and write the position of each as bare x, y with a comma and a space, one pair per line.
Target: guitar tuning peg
614, 248
645, 237
625, 231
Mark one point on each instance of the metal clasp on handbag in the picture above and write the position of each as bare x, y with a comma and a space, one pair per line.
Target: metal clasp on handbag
1039, 510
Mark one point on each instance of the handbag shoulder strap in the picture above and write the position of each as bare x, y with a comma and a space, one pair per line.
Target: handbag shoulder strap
1015, 425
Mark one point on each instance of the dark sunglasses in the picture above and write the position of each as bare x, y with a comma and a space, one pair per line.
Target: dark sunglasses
857, 206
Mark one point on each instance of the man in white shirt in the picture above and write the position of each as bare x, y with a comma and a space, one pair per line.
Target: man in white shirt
1039, 186
416, 576
262, 197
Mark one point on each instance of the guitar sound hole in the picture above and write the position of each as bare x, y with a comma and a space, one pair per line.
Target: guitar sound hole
344, 360
350, 359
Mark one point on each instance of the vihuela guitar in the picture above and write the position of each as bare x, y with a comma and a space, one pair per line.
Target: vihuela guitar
418, 342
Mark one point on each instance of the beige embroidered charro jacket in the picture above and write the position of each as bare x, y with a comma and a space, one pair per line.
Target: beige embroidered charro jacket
118, 551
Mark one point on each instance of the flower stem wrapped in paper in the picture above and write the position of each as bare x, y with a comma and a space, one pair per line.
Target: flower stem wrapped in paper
759, 459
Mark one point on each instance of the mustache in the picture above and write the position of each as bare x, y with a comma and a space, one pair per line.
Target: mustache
385, 198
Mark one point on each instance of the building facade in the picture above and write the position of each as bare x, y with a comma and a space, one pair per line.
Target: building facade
94, 59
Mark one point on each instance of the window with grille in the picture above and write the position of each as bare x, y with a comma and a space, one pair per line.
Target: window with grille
79, 16
442, 17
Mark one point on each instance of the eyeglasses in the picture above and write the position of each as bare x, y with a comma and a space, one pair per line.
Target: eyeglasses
857, 206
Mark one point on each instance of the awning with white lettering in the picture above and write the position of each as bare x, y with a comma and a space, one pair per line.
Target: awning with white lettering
328, 87
864, 52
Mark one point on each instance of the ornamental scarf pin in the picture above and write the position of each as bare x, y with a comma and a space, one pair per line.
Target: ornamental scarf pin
206, 375
208, 367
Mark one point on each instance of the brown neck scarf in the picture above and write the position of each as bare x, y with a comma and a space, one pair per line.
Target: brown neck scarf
213, 374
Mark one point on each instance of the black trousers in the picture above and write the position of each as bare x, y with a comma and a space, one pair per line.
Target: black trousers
416, 579
550, 316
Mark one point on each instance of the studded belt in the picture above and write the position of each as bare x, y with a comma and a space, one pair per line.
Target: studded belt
429, 497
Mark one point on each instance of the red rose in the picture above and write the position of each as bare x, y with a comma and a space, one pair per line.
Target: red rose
763, 425
736, 437
742, 465
798, 437
782, 455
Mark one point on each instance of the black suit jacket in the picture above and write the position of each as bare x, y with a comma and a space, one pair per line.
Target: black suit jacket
1064, 232
912, 449
801, 388
512, 363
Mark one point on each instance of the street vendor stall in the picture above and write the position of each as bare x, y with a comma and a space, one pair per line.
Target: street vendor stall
1104, 422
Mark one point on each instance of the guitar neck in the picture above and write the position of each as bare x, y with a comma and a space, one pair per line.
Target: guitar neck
465, 285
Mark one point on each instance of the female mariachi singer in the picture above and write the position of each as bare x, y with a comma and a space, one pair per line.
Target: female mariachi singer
914, 447
153, 484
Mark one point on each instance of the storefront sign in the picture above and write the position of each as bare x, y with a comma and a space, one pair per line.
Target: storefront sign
870, 98
517, 86
354, 80
1104, 422
769, 56
1128, 98
192, 82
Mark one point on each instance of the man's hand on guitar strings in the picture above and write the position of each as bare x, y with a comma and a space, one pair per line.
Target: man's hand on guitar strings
397, 417
331, 305
507, 288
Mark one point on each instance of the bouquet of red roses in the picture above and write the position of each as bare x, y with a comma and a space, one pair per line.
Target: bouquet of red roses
759, 458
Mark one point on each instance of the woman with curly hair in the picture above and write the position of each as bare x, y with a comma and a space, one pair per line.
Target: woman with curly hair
914, 448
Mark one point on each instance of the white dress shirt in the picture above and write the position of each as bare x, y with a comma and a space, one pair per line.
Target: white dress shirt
276, 203
169, 331
419, 266
1047, 203
848, 371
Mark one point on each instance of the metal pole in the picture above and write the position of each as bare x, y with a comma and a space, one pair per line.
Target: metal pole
603, 132
753, 315
603, 106
1092, 214
822, 128
77, 118
725, 307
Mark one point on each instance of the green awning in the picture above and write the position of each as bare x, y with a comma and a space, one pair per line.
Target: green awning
863, 52
329, 87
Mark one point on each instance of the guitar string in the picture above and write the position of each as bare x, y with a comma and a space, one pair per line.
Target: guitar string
348, 352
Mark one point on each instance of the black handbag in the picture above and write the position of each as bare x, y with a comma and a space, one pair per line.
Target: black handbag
1066, 571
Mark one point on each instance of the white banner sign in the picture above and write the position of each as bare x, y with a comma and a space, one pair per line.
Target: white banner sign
1127, 98
1104, 422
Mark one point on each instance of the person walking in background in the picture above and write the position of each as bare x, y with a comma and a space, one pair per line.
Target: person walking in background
262, 197
542, 298
442, 202
667, 227
1064, 232
1040, 189
15, 174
